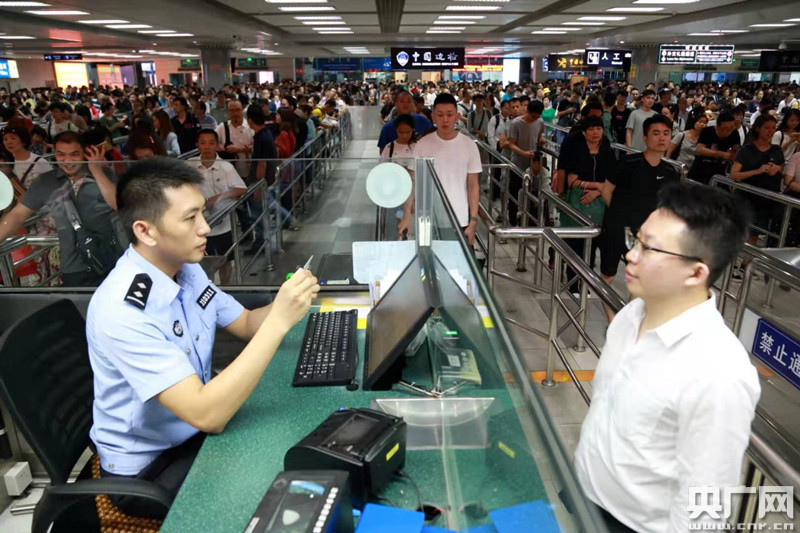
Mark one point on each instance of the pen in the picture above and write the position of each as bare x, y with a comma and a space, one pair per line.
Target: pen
308, 263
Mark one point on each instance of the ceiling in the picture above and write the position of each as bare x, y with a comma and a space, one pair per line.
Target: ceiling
371, 27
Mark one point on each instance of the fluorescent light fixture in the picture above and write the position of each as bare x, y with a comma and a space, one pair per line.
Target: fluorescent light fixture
128, 26
734, 31
175, 35
583, 23
326, 28
297, 1
300, 9
599, 17
763, 49
23, 4
319, 17
464, 17
665, 1
156, 31
443, 31
501, 1
323, 22
702, 34
792, 20
459, 28
14, 37
750, 55
57, 12
472, 8
334, 32
635, 9
773, 25
454, 22
542, 32
104, 21
561, 28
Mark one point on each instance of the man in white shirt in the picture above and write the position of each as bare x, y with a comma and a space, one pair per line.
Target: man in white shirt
498, 126
674, 393
634, 130
241, 137
221, 187
457, 161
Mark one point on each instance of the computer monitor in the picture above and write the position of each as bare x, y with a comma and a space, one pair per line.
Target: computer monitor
395, 321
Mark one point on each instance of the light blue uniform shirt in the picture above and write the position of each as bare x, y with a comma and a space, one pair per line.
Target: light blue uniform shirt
146, 333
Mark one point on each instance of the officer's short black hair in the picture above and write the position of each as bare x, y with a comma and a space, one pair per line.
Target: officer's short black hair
717, 223
140, 191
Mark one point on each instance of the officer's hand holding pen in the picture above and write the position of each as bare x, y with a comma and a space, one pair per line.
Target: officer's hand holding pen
294, 298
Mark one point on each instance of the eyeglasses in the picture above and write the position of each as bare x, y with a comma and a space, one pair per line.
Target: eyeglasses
633, 243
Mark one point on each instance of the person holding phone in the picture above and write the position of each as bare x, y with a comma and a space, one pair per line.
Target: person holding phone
760, 164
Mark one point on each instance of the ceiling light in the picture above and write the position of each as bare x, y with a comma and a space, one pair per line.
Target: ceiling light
323, 23
298, 9
792, 20
325, 28
127, 26
297, 1
622, 42
443, 31
57, 12
775, 25
583, 23
334, 32
561, 29
156, 31
454, 22
14, 37
593, 17
472, 8
665, 1
175, 35
734, 31
23, 4
542, 32
320, 17
105, 21
502, 1
703, 34
635, 9
473, 17
450, 28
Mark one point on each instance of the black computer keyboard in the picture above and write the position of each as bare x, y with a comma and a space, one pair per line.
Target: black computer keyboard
328, 355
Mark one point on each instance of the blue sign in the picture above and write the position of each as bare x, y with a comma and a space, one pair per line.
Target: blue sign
5, 72
377, 63
778, 350
337, 65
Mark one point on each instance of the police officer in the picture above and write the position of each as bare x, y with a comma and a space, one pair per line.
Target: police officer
150, 328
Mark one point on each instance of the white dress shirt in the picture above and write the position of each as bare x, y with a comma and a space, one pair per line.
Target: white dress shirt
671, 410
218, 178
240, 136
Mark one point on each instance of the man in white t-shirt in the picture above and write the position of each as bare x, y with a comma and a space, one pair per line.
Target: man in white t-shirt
241, 141
221, 187
457, 161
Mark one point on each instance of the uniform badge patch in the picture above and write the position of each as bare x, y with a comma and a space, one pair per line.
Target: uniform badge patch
206, 297
177, 329
139, 291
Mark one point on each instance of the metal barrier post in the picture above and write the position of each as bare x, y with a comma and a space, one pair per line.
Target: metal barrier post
584, 295
8, 272
491, 250
278, 221
267, 232
381, 224
787, 216
552, 334
524, 205
237, 247
539, 267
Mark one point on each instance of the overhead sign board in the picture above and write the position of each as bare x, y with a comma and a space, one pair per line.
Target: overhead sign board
8, 68
480, 68
695, 54
189, 64
778, 350
63, 57
251, 62
427, 58
779, 61
620, 59
565, 62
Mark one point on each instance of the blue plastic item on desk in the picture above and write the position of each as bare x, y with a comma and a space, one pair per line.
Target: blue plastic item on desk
525, 516
434, 529
382, 519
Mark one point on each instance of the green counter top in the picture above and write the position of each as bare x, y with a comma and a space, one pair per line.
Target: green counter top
234, 469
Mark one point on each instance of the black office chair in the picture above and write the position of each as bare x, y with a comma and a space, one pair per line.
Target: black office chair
46, 384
